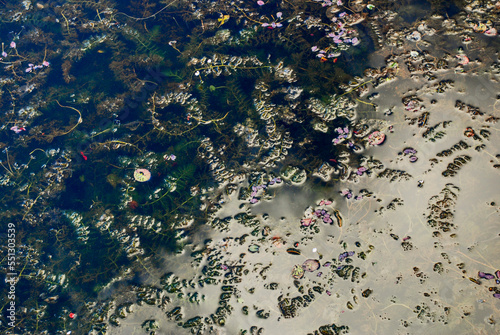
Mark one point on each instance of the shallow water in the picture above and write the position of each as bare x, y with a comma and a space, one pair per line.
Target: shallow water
390, 270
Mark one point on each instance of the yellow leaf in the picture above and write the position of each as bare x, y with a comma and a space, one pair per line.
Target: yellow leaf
223, 19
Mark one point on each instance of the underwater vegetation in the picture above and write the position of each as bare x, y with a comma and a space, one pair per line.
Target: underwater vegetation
248, 167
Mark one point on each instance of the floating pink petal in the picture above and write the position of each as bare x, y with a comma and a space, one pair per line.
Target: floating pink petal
17, 129
306, 222
485, 275
376, 138
491, 32
311, 265
142, 175
463, 59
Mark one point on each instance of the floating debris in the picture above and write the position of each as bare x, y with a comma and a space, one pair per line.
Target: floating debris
376, 138
366, 293
491, 32
306, 222
475, 281
293, 251
298, 272
142, 175
469, 132
485, 275
253, 248
346, 254
311, 265
339, 219
463, 59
